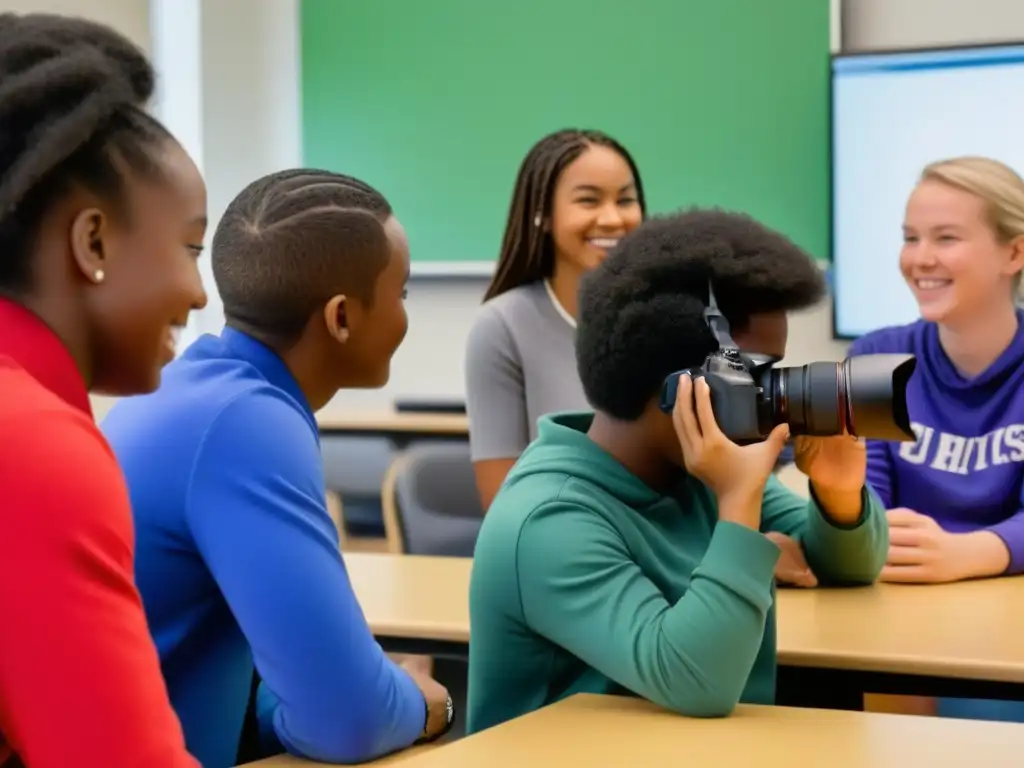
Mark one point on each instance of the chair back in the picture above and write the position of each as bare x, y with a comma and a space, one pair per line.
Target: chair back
430, 501
354, 470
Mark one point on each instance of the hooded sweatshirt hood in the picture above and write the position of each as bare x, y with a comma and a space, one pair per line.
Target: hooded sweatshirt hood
562, 447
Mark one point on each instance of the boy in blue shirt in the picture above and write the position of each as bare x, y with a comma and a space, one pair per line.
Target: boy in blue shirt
237, 558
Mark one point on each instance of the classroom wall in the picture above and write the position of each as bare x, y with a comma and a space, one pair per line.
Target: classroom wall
131, 17
250, 116
430, 361
880, 24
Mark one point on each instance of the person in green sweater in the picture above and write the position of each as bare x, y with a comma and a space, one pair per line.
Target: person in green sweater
627, 553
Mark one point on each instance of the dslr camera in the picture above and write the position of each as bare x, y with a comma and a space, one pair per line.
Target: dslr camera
864, 396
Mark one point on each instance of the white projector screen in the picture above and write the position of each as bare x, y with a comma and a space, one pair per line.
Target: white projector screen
892, 114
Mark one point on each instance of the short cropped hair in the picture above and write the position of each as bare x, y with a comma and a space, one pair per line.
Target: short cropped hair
293, 239
641, 312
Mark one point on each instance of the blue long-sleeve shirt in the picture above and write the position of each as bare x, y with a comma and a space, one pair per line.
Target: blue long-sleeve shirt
237, 561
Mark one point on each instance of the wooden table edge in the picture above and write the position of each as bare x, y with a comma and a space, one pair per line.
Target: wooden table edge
906, 664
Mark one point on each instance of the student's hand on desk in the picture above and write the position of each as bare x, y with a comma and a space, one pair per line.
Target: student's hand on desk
792, 569
436, 696
735, 474
921, 552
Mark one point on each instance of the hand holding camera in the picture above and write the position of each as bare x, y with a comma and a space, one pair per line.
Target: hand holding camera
744, 399
735, 474
864, 396
837, 468
837, 463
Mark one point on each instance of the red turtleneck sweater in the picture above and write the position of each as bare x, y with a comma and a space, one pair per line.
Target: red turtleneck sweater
80, 681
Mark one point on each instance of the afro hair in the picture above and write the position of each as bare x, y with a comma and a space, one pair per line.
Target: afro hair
641, 312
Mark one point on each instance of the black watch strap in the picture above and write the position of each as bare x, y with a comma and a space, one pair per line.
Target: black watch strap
450, 721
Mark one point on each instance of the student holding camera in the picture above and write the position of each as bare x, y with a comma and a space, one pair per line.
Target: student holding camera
626, 551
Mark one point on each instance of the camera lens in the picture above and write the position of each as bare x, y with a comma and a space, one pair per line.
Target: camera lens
808, 399
864, 396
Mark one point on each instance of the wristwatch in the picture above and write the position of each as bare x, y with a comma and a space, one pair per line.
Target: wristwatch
449, 711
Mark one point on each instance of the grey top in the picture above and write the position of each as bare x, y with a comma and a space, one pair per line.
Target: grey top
520, 365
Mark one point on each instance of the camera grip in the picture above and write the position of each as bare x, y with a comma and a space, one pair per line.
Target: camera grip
734, 408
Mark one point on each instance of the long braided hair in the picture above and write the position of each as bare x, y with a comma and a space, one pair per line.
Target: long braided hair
527, 250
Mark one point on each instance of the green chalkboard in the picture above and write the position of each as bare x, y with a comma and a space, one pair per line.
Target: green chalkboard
435, 102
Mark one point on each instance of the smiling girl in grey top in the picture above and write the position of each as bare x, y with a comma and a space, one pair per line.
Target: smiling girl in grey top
577, 193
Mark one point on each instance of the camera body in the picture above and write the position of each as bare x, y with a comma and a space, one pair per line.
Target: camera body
736, 381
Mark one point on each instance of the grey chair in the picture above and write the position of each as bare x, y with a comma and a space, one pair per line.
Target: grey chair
354, 470
430, 501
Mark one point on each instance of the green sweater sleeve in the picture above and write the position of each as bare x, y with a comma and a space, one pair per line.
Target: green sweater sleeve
837, 554
581, 590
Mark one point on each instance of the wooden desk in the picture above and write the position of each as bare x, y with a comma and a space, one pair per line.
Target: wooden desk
969, 630
950, 639
414, 604
287, 761
960, 640
611, 732
389, 423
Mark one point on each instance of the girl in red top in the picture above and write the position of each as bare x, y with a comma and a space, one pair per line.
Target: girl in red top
102, 216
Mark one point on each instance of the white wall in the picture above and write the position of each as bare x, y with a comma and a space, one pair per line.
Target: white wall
251, 117
250, 114
131, 17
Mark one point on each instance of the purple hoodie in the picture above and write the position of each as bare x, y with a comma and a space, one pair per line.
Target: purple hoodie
966, 469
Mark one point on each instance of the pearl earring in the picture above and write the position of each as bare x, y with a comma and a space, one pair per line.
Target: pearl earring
538, 221
98, 276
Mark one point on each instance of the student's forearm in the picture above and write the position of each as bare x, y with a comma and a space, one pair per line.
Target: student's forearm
693, 656
340, 698
983, 554
712, 635
742, 509
377, 729
842, 507
374, 721
851, 552
1010, 533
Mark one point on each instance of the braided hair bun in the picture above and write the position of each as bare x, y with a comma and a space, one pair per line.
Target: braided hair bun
72, 99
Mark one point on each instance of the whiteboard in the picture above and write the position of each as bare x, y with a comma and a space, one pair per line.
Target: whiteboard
892, 114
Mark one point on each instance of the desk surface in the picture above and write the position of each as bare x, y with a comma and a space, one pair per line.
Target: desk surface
287, 761
611, 732
970, 630
387, 421
426, 598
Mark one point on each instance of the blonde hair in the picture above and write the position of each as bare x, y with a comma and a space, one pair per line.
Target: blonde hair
998, 186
